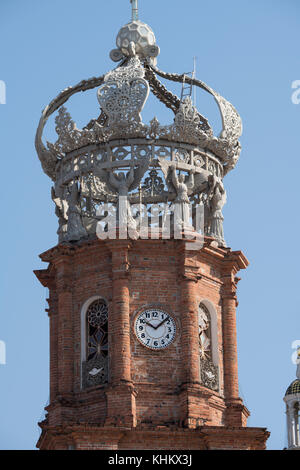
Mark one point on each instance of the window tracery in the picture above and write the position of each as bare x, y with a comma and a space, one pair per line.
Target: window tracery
95, 368
209, 371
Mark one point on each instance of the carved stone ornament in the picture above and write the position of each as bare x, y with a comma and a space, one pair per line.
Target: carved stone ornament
209, 375
95, 372
119, 142
209, 371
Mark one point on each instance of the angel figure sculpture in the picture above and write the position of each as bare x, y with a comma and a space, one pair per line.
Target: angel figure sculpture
61, 208
180, 188
122, 184
183, 186
75, 229
217, 200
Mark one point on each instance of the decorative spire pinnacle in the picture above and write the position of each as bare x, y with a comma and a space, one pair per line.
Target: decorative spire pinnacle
135, 39
135, 10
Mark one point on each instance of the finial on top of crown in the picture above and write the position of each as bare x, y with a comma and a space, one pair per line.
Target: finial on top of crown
135, 38
135, 10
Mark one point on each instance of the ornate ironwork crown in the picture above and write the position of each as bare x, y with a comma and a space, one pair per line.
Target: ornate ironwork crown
82, 162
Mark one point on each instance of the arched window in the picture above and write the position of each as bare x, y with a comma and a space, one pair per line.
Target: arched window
204, 325
208, 370
95, 355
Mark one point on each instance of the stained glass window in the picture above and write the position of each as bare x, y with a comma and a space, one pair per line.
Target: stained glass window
97, 330
95, 367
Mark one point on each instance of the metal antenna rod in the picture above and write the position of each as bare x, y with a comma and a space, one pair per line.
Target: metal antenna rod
135, 10
194, 76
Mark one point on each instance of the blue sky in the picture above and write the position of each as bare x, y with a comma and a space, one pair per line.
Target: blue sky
248, 50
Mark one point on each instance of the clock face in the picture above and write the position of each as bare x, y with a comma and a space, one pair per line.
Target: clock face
155, 328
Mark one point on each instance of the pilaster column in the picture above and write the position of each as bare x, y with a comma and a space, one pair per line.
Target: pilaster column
119, 322
229, 303
189, 277
121, 393
293, 424
53, 322
290, 424
64, 324
189, 329
236, 413
297, 431
48, 280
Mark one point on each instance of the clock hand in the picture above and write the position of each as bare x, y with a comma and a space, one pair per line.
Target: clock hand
149, 324
161, 323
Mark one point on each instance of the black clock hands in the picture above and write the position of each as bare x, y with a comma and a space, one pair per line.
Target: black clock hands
157, 326
161, 323
149, 324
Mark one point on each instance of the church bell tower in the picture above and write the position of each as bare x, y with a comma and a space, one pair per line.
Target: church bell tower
142, 286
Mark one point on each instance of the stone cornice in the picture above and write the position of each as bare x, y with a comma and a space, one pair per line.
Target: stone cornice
230, 258
58, 250
72, 428
45, 276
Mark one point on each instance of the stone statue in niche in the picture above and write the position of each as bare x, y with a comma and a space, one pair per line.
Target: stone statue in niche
122, 184
182, 185
61, 208
204, 333
75, 229
180, 189
215, 202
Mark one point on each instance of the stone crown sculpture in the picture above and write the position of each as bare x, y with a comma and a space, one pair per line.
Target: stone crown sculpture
82, 161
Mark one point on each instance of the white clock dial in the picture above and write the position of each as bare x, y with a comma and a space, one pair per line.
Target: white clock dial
155, 328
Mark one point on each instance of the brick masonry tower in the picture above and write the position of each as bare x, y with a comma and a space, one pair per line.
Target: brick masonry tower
142, 287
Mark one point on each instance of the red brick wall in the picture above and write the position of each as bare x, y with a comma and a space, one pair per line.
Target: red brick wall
146, 388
